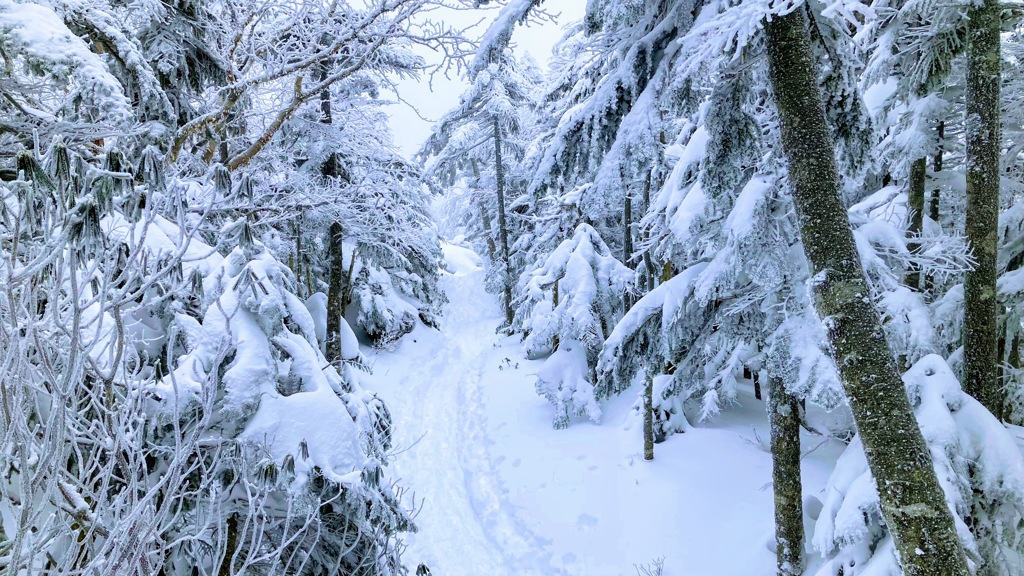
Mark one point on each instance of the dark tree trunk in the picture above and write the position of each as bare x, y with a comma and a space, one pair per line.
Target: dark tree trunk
649, 418
230, 547
335, 254
627, 240
980, 333
499, 172
912, 500
485, 218
915, 207
784, 419
652, 274
627, 229
933, 201
335, 292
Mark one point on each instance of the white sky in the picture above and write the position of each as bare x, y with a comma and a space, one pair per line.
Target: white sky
410, 130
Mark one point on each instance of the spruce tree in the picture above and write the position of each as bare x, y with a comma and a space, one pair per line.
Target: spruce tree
911, 497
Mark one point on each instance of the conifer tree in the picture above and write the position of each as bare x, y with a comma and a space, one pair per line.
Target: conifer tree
911, 498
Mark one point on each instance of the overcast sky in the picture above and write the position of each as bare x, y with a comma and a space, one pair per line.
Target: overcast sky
410, 130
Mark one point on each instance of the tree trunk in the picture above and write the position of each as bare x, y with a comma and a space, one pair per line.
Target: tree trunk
784, 419
652, 275
485, 219
933, 201
915, 208
499, 172
627, 229
649, 418
983, 146
231, 546
933, 205
335, 254
335, 293
912, 500
627, 240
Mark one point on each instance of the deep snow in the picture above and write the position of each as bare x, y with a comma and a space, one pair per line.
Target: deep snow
502, 493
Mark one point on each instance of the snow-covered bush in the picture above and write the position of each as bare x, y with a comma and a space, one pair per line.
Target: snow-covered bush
382, 312
978, 465
256, 354
564, 380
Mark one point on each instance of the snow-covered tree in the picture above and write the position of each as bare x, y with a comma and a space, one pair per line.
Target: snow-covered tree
480, 142
566, 305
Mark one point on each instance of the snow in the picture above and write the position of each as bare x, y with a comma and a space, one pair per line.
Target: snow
41, 35
876, 95
298, 424
743, 216
503, 494
562, 379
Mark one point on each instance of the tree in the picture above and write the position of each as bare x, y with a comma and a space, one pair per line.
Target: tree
784, 420
486, 129
153, 338
566, 305
984, 147
925, 539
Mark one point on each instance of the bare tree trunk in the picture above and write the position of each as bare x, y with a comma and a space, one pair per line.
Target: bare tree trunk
499, 171
933, 205
649, 418
627, 229
784, 419
915, 207
335, 292
652, 274
912, 500
335, 254
933, 201
980, 333
627, 240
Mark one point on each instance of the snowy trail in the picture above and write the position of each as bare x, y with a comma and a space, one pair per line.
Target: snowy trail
466, 523
500, 493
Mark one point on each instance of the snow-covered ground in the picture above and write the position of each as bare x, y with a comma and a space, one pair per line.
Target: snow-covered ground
502, 493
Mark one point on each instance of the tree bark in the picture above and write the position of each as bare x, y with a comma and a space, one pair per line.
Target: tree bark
652, 275
912, 500
499, 172
933, 201
627, 240
335, 292
915, 208
335, 254
980, 333
933, 205
784, 419
649, 418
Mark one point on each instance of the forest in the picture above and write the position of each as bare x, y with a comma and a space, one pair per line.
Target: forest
241, 333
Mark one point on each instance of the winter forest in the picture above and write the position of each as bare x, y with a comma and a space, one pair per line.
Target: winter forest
715, 288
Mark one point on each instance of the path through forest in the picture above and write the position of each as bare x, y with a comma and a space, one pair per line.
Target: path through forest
503, 494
